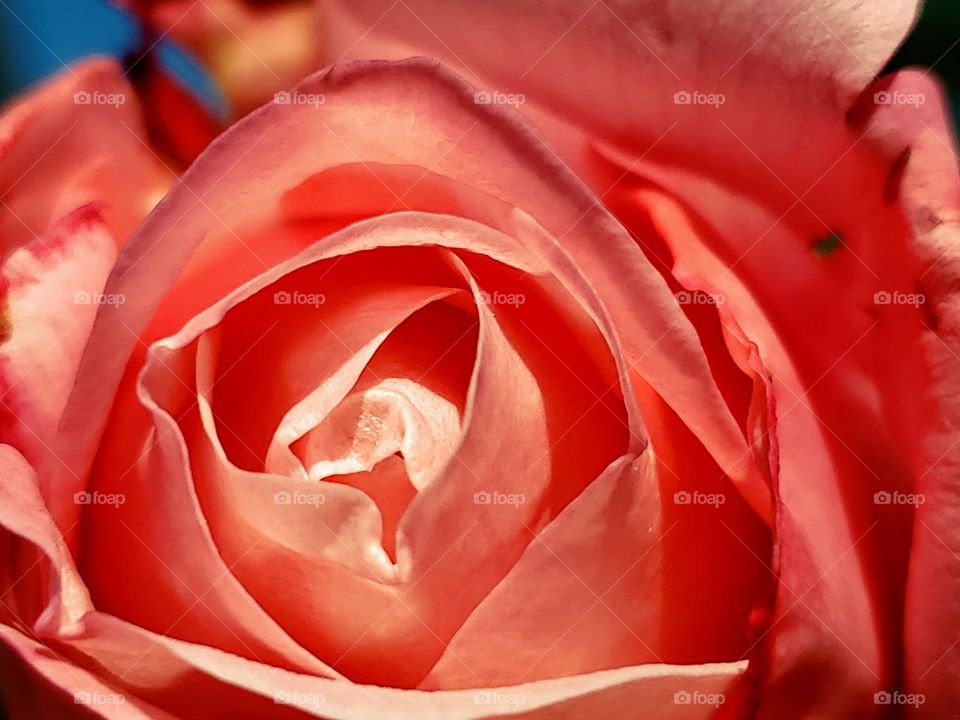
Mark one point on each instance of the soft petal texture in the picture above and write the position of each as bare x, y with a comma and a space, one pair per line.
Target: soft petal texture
143, 667
930, 191
474, 152
549, 468
172, 387
611, 68
40, 585
42, 684
75, 178
743, 197
230, 687
52, 291
76, 139
849, 366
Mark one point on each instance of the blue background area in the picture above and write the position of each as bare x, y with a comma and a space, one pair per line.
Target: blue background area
38, 36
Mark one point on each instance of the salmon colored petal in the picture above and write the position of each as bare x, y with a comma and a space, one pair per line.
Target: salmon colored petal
482, 163
824, 544
75, 140
727, 244
36, 682
263, 542
40, 585
232, 687
596, 627
930, 193
146, 551
52, 289
625, 72
678, 581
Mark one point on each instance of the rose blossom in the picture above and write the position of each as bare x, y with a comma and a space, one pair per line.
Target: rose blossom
383, 415
390, 405
756, 156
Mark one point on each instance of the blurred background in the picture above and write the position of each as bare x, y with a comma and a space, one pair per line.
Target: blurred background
216, 51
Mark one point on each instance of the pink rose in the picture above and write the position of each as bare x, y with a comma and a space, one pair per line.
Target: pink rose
382, 414
755, 156
365, 426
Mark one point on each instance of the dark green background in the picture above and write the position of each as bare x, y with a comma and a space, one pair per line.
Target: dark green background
935, 42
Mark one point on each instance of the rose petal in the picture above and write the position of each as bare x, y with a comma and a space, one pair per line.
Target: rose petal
77, 139
478, 150
612, 69
52, 291
37, 682
930, 193
229, 686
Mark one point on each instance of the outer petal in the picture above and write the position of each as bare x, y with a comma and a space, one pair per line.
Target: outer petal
75, 177
39, 683
128, 672
930, 192
612, 69
77, 139
230, 687
52, 291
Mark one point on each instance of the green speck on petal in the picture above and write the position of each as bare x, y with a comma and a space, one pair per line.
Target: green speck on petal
826, 245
